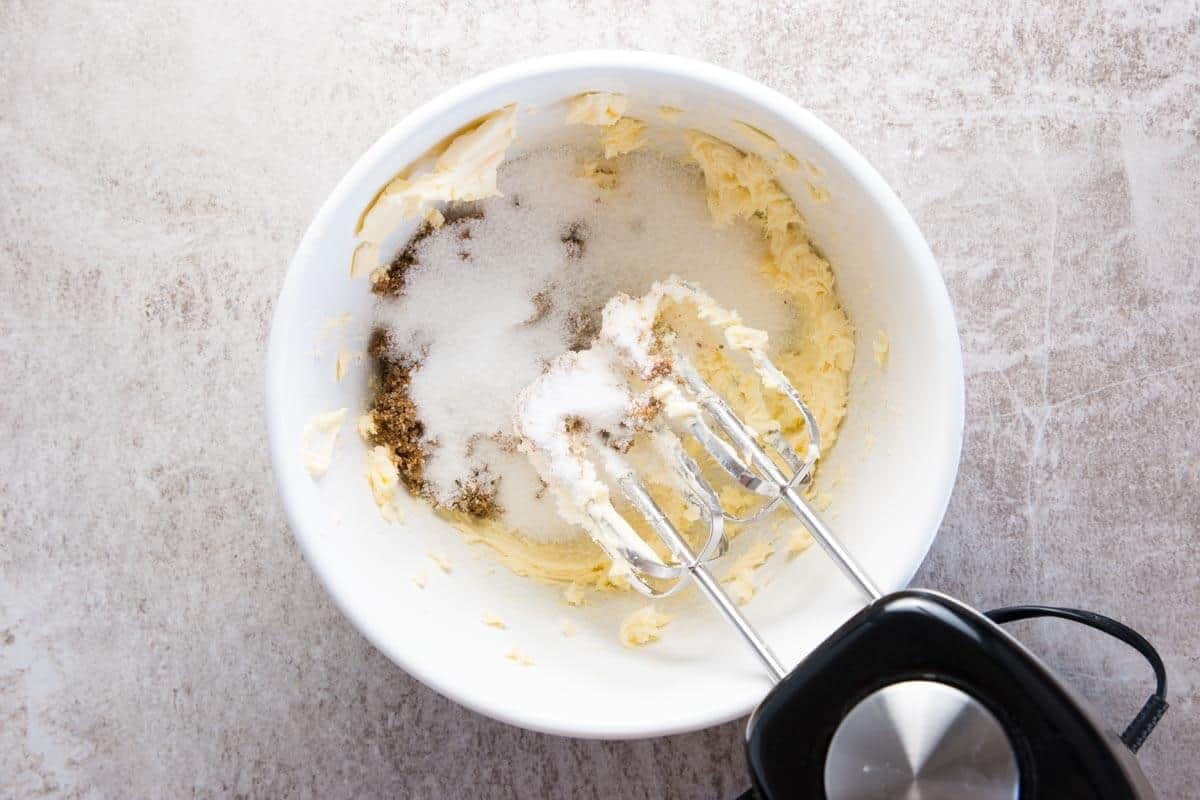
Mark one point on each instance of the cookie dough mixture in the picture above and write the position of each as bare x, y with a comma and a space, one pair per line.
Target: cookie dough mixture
510, 269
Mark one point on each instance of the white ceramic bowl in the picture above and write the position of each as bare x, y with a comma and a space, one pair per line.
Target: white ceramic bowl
887, 505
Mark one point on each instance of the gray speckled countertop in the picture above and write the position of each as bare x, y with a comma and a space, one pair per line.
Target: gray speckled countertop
160, 633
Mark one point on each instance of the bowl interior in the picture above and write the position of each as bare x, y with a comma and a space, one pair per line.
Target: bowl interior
893, 466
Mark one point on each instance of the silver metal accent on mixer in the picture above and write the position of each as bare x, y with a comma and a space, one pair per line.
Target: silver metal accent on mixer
920, 740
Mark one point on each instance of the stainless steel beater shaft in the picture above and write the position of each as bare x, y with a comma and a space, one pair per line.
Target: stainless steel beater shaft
712, 589
816, 527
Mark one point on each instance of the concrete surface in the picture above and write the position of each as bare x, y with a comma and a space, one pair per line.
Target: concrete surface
160, 634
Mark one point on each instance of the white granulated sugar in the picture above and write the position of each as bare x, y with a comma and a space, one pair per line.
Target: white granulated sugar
491, 301
589, 386
527, 505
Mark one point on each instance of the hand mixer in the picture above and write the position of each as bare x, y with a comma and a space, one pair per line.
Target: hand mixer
918, 695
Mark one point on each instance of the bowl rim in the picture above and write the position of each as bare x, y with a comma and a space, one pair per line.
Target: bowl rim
926, 271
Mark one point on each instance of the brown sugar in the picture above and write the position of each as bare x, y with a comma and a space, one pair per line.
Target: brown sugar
661, 368
477, 495
509, 443
574, 238
457, 212
542, 305
457, 217
391, 284
582, 328
645, 410
398, 425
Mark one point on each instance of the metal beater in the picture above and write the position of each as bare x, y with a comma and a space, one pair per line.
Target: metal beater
743, 455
